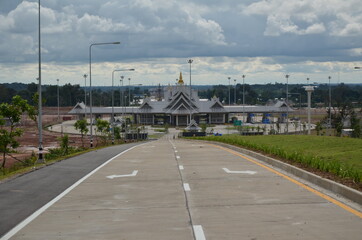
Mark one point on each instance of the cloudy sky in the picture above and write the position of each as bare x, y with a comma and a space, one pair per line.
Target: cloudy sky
263, 39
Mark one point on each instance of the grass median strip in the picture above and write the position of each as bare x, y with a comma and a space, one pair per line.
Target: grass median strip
338, 156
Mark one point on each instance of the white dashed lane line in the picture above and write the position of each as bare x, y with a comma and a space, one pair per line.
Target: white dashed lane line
199, 232
243, 172
187, 187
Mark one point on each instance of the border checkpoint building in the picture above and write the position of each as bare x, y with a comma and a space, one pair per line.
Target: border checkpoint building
181, 103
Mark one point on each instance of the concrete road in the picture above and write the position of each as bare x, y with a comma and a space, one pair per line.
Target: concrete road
175, 189
22, 196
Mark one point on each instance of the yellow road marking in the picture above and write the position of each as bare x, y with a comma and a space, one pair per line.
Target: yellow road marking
338, 203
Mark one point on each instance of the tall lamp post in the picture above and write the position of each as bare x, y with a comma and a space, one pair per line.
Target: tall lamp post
309, 90
229, 90
120, 91
190, 62
129, 92
90, 86
85, 90
112, 117
123, 103
58, 99
243, 97
40, 153
330, 103
85, 95
287, 77
234, 91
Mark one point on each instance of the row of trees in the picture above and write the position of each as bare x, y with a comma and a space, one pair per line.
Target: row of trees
254, 94
260, 94
69, 94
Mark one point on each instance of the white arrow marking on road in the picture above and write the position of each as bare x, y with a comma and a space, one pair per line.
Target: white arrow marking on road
245, 172
127, 175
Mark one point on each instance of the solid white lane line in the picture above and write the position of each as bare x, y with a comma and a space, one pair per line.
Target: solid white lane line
26, 221
199, 232
244, 172
187, 187
133, 174
181, 167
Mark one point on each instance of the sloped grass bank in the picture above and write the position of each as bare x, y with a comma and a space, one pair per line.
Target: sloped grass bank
341, 157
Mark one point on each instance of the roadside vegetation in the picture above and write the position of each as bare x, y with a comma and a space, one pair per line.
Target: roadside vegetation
10, 132
340, 157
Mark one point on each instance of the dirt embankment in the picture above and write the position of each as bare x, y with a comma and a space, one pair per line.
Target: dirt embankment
29, 141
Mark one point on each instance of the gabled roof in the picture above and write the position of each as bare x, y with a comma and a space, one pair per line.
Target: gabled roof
181, 106
78, 108
146, 106
217, 105
176, 98
193, 126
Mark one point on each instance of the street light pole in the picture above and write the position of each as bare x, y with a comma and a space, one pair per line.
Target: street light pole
40, 125
287, 76
90, 87
120, 91
229, 90
123, 99
85, 91
129, 92
309, 90
58, 98
190, 62
112, 117
330, 104
234, 91
243, 97
85, 95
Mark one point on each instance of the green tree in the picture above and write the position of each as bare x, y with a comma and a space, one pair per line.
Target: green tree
81, 126
10, 116
318, 128
117, 133
355, 125
103, 127
64, 144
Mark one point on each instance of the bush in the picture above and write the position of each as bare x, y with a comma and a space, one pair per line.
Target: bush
64, 143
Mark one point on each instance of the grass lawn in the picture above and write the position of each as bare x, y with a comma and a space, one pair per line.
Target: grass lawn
340, 156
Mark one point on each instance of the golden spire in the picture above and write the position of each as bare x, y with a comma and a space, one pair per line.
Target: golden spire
180, 81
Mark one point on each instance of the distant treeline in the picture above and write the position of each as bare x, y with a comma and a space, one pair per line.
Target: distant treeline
69, 94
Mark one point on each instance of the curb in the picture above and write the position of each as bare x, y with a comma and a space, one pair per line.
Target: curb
337, 188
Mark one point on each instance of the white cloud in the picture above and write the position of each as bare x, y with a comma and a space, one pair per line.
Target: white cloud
158, 36
339, 18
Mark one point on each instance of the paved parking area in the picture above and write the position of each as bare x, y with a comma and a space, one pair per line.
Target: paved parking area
175, 189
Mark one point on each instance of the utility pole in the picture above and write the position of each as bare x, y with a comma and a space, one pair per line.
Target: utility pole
287, 76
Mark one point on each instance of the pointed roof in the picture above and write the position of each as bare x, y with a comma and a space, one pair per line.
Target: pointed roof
180, 81
146, 105
193, 127
78, 108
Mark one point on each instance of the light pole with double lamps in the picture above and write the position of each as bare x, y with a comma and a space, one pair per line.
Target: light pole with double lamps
112, 117
90, 86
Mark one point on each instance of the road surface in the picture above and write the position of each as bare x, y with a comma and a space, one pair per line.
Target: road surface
21, 196
176, 189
